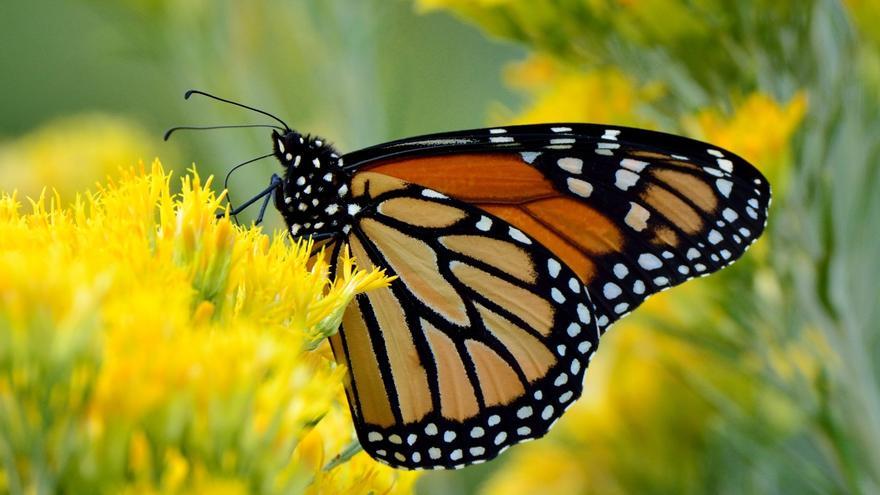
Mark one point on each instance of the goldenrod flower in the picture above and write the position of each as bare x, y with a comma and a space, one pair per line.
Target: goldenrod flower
147, 347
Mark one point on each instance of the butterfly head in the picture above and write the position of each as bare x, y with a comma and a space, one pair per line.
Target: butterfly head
314, 193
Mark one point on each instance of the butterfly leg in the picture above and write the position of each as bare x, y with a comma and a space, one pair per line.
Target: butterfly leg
323, 236
274, 184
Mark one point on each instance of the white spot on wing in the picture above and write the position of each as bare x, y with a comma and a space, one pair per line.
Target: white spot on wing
729, 215
637, 218
569, 164
516, 234
639, 287
725, 165
580, 187
553, 267
625, 179
751, 212
583, 314
649, 262
530, 156
724, 187
611, 134
430, 193
611, 290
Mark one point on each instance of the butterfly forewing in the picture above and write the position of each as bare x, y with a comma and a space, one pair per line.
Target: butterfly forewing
631, 212
480, 343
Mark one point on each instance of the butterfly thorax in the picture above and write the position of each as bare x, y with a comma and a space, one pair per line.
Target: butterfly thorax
314, 194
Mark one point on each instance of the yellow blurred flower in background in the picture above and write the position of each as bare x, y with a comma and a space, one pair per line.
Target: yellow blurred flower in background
760, 130
71, 153
146, 347
558, 93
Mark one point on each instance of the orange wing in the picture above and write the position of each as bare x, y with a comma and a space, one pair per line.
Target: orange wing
628, 221
471, 349
514, 248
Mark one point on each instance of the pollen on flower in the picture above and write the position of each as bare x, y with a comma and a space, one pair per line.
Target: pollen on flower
162, 349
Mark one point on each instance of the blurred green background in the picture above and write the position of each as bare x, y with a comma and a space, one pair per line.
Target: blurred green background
761, 379
356, 72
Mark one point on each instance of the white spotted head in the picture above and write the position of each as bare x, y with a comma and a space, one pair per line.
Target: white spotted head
315, 192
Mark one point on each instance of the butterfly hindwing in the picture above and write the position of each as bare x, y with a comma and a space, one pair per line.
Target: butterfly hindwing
632, 212
480, 343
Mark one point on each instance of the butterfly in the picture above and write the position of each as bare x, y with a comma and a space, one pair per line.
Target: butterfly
514, 250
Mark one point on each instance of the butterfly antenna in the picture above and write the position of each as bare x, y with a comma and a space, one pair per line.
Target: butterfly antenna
205, 128
224, 100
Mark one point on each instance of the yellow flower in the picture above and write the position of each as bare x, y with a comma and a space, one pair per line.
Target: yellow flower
146, 347
559, 94
72, 153
760, 130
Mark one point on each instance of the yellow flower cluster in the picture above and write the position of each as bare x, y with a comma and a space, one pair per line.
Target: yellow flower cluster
146, 347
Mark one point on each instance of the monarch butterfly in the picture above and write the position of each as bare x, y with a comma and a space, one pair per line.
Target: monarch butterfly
515, 248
